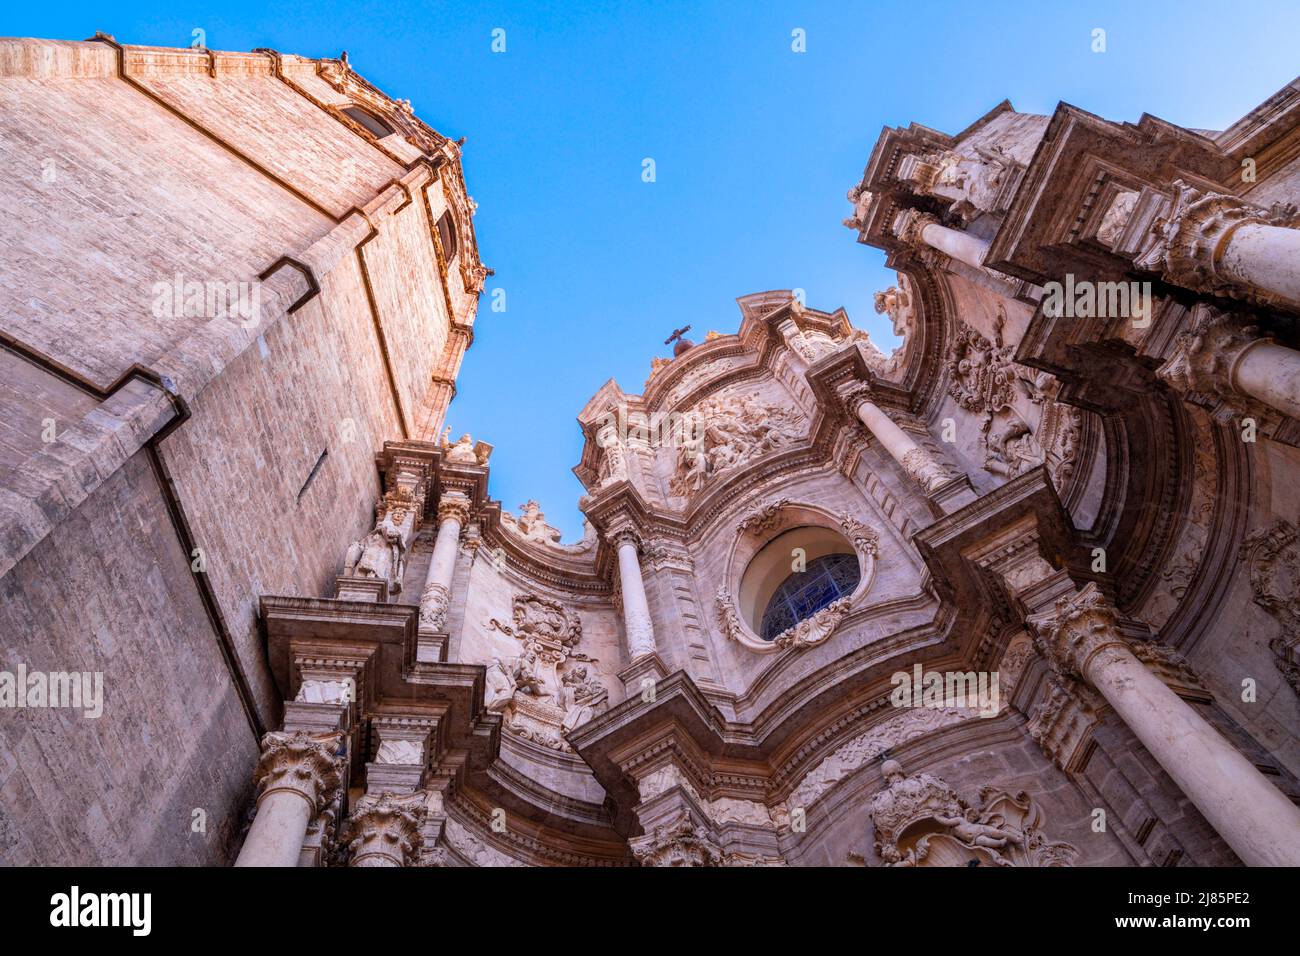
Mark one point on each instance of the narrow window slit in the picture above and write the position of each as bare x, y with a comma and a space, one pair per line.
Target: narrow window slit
312, 476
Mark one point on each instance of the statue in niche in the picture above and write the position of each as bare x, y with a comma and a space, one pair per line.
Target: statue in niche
382, 553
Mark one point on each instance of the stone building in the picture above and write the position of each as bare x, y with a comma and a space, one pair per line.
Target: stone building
1022, 593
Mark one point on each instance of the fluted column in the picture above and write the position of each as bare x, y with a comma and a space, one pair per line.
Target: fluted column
1221, 245
915, 460
385, 830
297, 776
1080, 638
1224, 355
453, 512
636, 609
913, 227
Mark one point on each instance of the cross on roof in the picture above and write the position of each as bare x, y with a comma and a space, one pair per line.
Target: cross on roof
677, 334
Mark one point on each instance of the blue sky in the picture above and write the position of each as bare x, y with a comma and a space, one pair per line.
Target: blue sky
754, 145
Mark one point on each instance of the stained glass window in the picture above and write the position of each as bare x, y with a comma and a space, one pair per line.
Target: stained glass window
804, 593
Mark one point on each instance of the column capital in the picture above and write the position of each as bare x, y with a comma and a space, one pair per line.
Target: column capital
1078, 627
682, 842
626, 533
910, 223
454, 506
1187, 243
854, 394
303, 763
1206, 353
385, 830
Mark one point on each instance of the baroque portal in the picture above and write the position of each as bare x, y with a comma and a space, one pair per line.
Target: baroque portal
947, 606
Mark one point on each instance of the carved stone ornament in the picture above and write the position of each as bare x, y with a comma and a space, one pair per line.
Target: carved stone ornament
464, 451
974, 184
1062, 723
735, 431
1184, 244
1272, 555
861, 198
542, 693
454, 505
307, 764
385, 830
984, 379
854, 394
531, 525
434, 603
1203, 357
921, 821
864, 538
1079, 626
910, 223
680, 843
765, 517
814, 630
922, 468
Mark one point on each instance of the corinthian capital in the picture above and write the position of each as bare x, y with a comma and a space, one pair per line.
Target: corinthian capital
909, 224
619, 535
854, 395
1075, 630
1186, 243
1205, 353
385, 830
454, 505
303, 763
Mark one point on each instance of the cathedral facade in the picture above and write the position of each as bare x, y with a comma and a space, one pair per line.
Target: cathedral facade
1024, 592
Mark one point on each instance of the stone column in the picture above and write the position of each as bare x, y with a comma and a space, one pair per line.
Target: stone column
915, 460
636, 610
1222, 355
1222, 245
298, 776
453, 512
915, 227
1080, 638
385, 830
